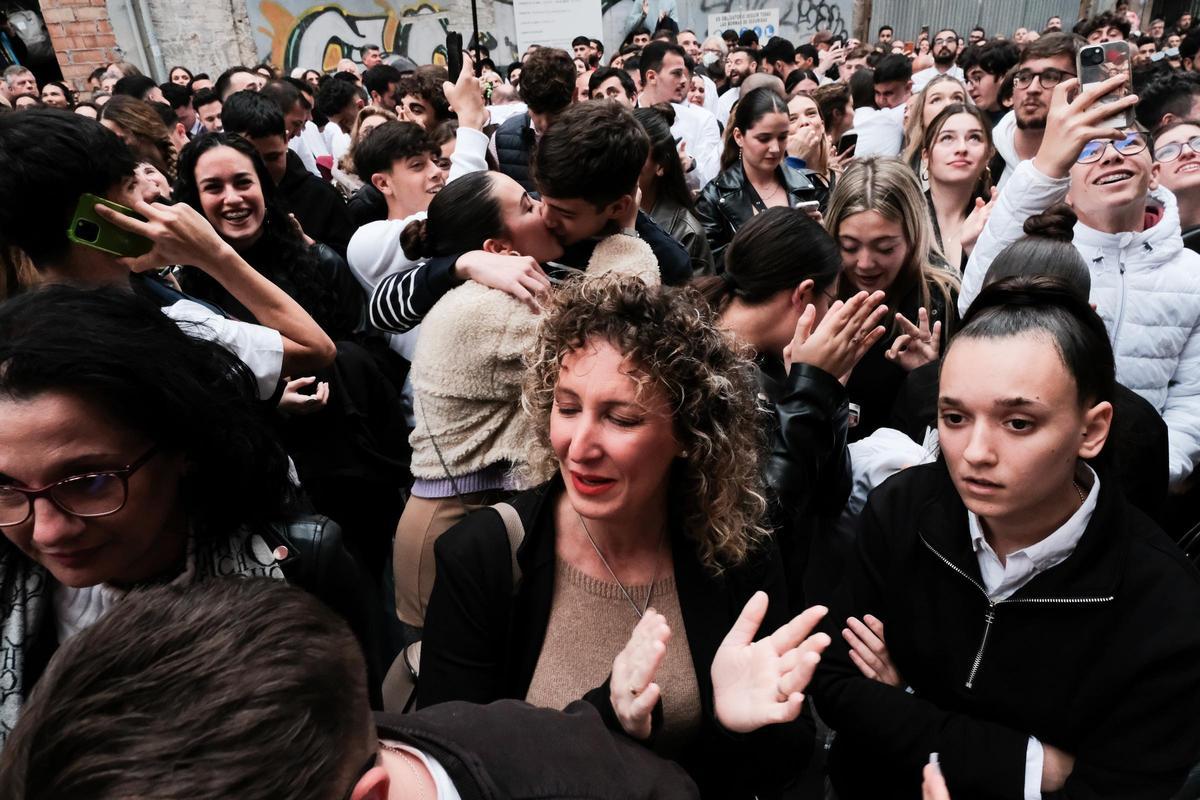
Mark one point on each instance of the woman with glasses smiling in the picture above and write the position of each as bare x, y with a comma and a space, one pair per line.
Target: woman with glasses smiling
131, 454
1145, 284
1177, 152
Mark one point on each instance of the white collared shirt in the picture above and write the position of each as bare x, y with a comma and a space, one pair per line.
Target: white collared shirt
1002, 580
926, 75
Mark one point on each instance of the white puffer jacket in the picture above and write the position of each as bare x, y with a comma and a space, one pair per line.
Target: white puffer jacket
1146, 287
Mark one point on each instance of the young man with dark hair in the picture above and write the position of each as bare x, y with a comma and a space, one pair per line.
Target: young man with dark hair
638, 37
880, 125
339, 102
318, 207
893, 81
180, 99
1054, 24
422, 99
778, 57
608, 83
586, 167
1170, 98
547, 88
296, 99
581, 46
237, 79
985, 67
381, 82
749, 39
1189, 48
50, 158
977, 36
142, 87
208, 110
885, 37
275, 684
944, 49
1106, 27
372, 56
1044, 64
740, 63
200, 82
666, 79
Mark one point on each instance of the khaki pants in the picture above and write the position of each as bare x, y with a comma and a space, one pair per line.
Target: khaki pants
423, 521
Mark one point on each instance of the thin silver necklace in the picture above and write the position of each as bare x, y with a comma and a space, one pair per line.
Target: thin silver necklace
641, 612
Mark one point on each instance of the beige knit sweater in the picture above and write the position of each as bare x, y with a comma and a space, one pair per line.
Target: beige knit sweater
467, 371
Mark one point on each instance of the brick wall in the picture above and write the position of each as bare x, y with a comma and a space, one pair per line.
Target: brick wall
82, 35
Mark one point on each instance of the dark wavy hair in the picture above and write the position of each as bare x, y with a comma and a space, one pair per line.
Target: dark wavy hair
280, 254
186, 394
461, 217
657, 121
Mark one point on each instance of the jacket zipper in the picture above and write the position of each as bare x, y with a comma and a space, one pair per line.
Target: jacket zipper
1120, 304
989, 616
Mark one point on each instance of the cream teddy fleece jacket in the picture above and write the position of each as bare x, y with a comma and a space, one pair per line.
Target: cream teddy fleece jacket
467, 371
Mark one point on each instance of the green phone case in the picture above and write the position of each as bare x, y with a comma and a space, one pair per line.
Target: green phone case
90, 230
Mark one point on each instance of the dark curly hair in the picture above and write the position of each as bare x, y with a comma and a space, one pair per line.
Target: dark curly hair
279, 254
186, 394
673, 338
547, 80
426, 83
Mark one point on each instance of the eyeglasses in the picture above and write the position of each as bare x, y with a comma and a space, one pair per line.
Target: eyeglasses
94, 494
1133, 143
1172, 151
1049, 78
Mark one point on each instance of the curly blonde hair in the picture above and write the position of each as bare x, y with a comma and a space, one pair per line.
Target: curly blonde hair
673, 338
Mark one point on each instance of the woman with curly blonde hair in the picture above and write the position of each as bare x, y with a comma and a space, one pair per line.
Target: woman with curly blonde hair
638, 556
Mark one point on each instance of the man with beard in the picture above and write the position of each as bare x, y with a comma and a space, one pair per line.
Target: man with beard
944, 50
741, 63
1044, 64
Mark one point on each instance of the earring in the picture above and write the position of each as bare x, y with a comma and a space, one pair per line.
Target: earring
683, 454
925, 171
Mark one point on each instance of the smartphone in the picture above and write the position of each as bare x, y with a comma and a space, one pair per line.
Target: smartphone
848, 140
908, 48
454, 55
90, 230
1099, 62
808, 205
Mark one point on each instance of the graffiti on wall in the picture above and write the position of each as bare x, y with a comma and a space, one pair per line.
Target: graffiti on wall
318, 37
293, 33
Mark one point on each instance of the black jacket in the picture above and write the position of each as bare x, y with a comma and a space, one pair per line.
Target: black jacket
317, 205
681, 224
876, 381
729, 201
482, 642
566, 753
514, 149
1136, 448
1191, 238
367, 205
1098, 656
807, 471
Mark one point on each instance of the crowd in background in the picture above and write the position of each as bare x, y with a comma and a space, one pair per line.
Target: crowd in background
706, 418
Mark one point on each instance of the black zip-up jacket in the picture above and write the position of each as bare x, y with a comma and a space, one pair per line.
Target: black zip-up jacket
1098, 656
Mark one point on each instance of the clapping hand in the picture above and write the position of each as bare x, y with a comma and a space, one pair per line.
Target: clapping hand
868, 650
632, 690
761, 683
918, 345
847, 331
973, 225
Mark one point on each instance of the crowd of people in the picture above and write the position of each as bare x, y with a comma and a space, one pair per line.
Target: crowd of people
708, 418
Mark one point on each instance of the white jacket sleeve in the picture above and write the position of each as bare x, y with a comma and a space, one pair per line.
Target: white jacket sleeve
470, 153
1182, 410
1027, 193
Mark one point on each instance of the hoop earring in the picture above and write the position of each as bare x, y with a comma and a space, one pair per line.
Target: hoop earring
925, 172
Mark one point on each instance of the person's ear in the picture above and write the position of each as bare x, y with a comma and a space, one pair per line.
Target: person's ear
802, 295
619, 208
1155, 171
737, 137
1097, 421
372, 786
498, 245
383, 182
910, 87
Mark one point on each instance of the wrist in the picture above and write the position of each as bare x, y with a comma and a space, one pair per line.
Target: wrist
223, 260
1051, 170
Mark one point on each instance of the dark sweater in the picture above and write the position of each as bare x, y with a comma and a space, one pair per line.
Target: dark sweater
317, 205
1098, 656
482, 641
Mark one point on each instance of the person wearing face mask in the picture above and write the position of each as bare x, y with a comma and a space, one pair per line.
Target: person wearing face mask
1145, 283
945, 51
1043, 628
754, 175
1177, 151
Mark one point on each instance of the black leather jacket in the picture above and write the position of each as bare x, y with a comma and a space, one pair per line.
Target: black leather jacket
729, 201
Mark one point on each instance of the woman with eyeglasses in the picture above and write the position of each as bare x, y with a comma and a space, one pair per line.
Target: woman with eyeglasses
1145, 283
131, 454
1177, 152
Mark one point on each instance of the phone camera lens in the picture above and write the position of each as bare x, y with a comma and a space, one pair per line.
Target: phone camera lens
1093, 58
87, 230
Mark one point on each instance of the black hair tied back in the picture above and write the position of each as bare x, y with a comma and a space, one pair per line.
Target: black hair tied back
1056, 222
414, 239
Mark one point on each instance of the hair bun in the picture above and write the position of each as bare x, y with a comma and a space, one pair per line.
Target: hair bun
414, 239
667, 111
1056, 222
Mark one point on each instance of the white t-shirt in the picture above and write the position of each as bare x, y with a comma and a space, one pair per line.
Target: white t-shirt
926, 75
261, 348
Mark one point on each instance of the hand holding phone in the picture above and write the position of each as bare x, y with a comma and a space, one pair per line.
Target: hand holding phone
90, 229
1097, 63
847, 141
1077, 122
454, 54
